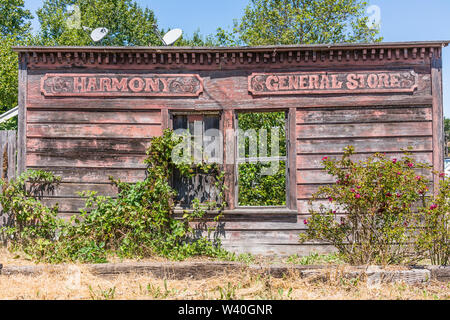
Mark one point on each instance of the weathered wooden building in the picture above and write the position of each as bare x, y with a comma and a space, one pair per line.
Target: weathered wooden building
90, 112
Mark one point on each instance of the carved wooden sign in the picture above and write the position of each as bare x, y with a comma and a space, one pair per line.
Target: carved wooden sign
332, 82
121, 85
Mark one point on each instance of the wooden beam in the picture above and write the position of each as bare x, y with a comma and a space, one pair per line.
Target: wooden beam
292, 159
438, 115
229, 157
22, 119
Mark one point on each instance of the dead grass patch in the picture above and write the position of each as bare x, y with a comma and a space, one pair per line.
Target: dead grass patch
76, 282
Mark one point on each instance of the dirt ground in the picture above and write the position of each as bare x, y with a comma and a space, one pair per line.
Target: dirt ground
76, 282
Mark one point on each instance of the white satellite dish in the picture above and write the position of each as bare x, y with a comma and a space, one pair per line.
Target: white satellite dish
98, 34
172, 36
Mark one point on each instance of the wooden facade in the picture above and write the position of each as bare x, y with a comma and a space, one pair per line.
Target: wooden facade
88, 113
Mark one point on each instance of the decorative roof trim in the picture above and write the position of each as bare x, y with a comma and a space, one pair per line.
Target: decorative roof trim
231, 55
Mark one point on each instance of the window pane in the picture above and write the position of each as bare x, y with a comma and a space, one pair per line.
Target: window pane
256, 189
262, 159
200, 186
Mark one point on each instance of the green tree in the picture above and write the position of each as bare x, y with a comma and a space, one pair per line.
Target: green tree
62, 22
14, 19
14, 26
196, 40
273, 22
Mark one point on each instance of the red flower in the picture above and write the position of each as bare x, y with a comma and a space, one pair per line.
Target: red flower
358, 187
394, 160
334, 211
388, 194
330, 199
305, 221
398, 195
433, 206
324, 158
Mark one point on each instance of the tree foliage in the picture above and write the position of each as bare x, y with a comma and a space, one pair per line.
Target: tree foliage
273, 22
14, 19
62, 22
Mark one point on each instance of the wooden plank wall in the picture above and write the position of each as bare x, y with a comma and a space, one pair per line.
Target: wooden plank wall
85, 147
326, 131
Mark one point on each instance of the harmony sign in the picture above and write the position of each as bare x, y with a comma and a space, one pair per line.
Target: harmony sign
128, 85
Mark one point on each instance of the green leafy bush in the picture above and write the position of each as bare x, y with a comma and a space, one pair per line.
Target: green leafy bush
380, 197
139, 222
434, 237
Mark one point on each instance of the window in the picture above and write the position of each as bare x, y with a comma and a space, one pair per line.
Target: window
205, 146
261, 159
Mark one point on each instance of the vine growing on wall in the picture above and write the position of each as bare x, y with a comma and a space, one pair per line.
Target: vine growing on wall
139, 222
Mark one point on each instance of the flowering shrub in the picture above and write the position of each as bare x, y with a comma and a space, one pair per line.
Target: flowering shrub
380, 197
434, 237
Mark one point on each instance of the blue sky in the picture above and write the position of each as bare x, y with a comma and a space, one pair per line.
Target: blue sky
401, 20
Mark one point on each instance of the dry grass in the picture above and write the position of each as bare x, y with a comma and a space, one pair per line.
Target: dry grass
77, 283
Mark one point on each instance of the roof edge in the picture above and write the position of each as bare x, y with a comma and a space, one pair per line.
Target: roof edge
339, 46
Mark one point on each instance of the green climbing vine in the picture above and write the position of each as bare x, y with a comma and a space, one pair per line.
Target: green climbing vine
139, 222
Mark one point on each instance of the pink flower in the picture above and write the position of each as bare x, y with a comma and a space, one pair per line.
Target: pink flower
433, 206
418, 177
334, 211
357, 196
305, 221
399, 173
358, 187
398, 195
324, 158
330, 199
394, 160
352, 190
442, 174
410, 165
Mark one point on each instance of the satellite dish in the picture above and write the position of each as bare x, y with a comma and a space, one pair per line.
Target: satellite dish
172, 36
98, 34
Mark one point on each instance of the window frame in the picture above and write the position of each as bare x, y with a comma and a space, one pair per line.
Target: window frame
287, 121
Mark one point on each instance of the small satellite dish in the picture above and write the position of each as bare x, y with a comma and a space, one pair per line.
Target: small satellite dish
172, 36
98, 34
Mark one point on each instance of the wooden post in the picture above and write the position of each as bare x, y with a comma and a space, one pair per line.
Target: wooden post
22, 121
438, 115
229, 157
292, 156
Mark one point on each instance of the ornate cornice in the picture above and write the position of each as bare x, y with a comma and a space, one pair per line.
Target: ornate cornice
298, 54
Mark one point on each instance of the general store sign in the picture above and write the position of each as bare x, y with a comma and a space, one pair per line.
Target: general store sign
107, 85
332, 82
